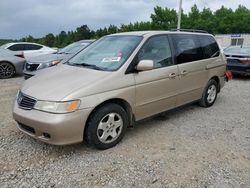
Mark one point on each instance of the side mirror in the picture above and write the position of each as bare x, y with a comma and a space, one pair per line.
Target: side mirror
145, 65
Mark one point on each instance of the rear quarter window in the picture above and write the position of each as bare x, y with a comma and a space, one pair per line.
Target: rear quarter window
209, 47
187, 48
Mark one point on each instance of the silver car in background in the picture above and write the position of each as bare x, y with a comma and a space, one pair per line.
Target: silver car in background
28, 49
11, 63
34, 64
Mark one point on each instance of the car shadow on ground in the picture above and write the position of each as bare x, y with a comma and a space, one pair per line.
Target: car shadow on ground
241, 77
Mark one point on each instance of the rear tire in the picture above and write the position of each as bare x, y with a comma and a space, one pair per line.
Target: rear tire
6, 70
209, 94
106, 126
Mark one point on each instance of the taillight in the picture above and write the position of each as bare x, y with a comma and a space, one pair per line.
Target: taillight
20, 55
229, 75
245, 60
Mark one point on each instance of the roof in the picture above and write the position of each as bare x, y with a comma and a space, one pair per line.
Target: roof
11, 43
85, 41
145, 33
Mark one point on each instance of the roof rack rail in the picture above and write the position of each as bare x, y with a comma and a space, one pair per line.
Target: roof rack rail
190, 30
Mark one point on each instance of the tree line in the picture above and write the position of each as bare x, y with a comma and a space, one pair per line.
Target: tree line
222, 21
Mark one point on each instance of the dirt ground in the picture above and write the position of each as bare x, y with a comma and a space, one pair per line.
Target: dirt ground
187, 147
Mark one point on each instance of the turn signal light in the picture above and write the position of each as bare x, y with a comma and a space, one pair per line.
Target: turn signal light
20, 55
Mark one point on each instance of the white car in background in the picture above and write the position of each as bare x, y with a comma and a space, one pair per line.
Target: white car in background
29, 49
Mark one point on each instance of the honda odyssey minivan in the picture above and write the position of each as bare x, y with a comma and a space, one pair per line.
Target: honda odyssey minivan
116, 81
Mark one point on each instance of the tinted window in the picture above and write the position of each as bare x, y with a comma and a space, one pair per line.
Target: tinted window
187, 48
16, 47
73, 48
32, 47
209, 47
158, 50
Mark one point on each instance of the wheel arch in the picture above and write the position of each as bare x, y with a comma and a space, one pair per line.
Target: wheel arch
123, 103
216, 78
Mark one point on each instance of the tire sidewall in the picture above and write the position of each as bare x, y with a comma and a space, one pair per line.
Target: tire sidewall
205, 95
92, 125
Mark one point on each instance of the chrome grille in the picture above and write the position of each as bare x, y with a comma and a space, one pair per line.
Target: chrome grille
25, 102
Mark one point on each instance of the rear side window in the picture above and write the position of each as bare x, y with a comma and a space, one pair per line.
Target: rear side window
32, 47
17, 47
209, 47
187, 48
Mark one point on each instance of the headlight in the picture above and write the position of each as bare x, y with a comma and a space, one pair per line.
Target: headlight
55, 62
57, 107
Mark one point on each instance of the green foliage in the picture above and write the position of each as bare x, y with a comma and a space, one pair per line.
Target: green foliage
164, 18
4, 41
223, 20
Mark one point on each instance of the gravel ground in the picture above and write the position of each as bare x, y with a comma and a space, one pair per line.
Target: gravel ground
187, 147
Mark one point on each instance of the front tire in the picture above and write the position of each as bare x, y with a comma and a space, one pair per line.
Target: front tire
106, 126
209, 94
6, 70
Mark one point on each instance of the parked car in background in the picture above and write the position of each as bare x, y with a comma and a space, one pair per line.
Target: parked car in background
34, 64
238, 59
116, 81
28, 49
11, 63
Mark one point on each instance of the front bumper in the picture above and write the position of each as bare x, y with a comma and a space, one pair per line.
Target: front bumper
56, 129
28, 74
239, 68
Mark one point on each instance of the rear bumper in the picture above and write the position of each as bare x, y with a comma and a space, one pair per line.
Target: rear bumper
223, 80
19, 66
56, 129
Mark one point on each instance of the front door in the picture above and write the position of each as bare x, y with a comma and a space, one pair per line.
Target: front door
156, 89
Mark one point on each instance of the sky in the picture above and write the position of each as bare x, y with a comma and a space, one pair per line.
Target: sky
39, 17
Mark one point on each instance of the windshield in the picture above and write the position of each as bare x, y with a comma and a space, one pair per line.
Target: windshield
108, 53
237, 50
74, 48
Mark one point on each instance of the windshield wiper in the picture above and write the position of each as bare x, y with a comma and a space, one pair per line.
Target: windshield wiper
63, 53
90, 66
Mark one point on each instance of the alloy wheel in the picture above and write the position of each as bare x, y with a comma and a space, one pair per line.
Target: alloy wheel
110, 128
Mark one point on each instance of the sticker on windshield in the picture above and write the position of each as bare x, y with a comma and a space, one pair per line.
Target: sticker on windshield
111, 59
119, 54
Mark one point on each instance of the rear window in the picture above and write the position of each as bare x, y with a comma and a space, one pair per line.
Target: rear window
209, 46
187, 48
32, 47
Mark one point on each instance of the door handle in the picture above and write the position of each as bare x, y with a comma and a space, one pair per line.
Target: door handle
172, 75
184, 72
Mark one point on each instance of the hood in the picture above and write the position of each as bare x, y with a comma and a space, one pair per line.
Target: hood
237, 55
57, 82
48, 58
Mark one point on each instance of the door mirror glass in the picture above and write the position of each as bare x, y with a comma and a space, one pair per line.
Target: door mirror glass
145, 65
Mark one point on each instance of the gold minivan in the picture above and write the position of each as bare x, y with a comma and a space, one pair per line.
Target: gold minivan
116, 81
